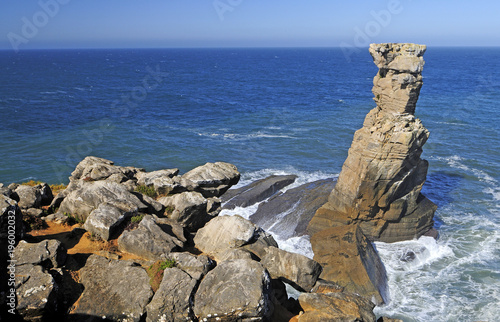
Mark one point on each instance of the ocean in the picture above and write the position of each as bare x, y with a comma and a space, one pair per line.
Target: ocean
275, 111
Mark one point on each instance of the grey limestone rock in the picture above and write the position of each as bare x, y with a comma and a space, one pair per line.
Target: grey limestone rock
118, 290
261, 241
295, 269
95, 169
83, 197
232, 253
189, 209
35, 212
297, 205
234, 291
105, 220
147, 178
256, 191
172, 301
152, 239
213, 179
224, 232
45, 193
29, 197
195, 266
11, 219
48, 253
36, 292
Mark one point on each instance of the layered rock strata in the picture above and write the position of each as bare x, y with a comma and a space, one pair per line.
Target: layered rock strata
351, 261
380, 182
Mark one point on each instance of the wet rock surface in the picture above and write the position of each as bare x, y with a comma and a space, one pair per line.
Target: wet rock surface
298, 204
256, 192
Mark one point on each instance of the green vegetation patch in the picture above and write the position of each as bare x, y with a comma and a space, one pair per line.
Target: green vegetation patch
73, 220
169, 210
156, 270
137, 219
147, 191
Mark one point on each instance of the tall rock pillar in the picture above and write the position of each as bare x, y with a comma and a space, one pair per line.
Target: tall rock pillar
380, 182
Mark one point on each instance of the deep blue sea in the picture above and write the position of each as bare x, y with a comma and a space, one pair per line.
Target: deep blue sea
275, 111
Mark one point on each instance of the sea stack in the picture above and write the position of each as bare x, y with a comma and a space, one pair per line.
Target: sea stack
380, 182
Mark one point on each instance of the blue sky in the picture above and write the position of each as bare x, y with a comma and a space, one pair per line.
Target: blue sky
234, 23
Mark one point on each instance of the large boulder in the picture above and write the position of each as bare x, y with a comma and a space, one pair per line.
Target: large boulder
381, 180
163, 181
256, 191
118, 290
11, 221
153, 238
148, 178
335, 307
195, 266
48, 253
187, 208
213, 179
45, 193
106, 219
232, 253
235, 290
6, 191
83, 197
295, 208
224, 232
295, 269
259, 243
349, 259
172, 301
94, 169
36, 292
154, 207
29, 196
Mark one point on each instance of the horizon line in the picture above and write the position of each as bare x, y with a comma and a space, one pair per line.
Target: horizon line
233, 47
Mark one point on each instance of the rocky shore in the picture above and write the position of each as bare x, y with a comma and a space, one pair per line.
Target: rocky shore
123, 244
